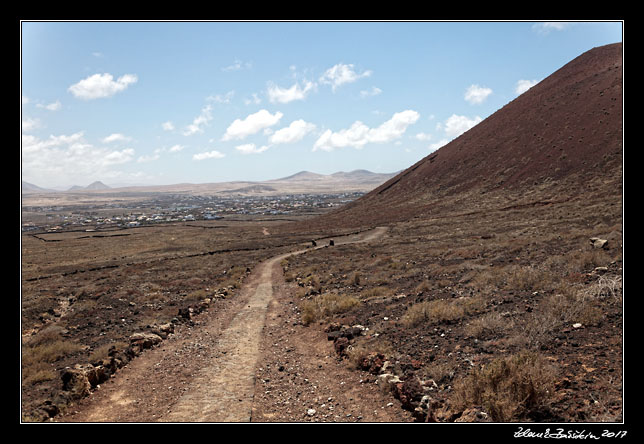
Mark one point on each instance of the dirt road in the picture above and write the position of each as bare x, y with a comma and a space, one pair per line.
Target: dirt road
209, 372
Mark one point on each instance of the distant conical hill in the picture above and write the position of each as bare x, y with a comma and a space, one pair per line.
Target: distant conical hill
565, 130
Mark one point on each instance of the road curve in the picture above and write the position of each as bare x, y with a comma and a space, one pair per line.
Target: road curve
203, 374
223, 391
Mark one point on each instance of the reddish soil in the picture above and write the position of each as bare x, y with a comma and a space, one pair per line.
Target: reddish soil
489, 254
565, 130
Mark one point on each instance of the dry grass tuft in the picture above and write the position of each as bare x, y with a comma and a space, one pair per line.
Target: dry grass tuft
487, 325
509, 388
325, 305
45, 348
442, 310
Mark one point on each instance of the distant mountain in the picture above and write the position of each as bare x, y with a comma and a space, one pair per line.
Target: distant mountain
363, 175
302, 182
301, 176
253, 189
94, 186
98, 185
31, 188
358, 176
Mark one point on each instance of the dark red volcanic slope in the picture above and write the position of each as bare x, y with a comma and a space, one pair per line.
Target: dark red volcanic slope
567, 127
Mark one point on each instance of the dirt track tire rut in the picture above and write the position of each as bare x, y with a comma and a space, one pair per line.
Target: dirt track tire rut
200, 374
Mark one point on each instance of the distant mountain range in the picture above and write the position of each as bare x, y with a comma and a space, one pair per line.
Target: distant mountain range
302, 182
353, 176
94, 186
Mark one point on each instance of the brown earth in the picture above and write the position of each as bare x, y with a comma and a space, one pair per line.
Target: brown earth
216, 370
564, 132
487, 299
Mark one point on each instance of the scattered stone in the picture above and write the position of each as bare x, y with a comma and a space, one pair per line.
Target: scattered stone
80, 379
346, 332
163, 330
597, 242
340, 345
474, 414
144, 340
388, 378
372, 363
310, 412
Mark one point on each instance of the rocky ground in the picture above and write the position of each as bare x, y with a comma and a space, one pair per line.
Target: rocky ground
494, 295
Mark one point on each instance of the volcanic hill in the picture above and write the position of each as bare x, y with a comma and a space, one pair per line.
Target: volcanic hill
557, 139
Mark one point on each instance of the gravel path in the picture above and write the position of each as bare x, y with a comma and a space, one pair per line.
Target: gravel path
217, 370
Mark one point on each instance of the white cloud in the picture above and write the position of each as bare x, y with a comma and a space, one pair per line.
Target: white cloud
369, 93
253, 100
546, 27
340, 74
277, 94
143, 159
199, 122
252, 124
176, 148
209, 155
524, 85
116, 157
358, 135
29, 124
423, 136
250, 148
101, 85
225, 99
55, 106
292, 133
67, 159
167, 126
434, 146
116, 137
456, 125
25, 100
237, 65
477, 94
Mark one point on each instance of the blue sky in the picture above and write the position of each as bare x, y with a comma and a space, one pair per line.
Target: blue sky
172, 102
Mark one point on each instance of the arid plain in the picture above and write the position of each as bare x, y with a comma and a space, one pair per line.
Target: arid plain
483, 284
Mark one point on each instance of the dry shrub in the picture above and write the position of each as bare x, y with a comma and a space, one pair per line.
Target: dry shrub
49, 352
325, 305
313, 281
508, 389
46, 347
440, 372
487, 325
37, 372
587, 260
607, 288
526, 278
564, 308
515, 277
493, 277
358, 351
197, 295
374, 292
441, 310
234, 277
422, 287
102, 351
